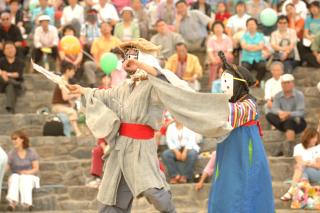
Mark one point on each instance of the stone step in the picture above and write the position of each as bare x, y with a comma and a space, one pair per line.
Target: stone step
37, 82
29, 102
185, 197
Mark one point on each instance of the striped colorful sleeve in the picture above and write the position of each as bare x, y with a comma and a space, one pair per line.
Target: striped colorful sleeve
242, 112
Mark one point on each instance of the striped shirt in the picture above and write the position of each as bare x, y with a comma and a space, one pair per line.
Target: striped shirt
242, 112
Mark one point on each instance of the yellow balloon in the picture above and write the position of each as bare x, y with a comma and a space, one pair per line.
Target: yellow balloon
70, 45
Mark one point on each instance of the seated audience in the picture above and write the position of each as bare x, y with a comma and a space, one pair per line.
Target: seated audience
311, 29
218, 41
222, 13
287, 113
62, 101
236, 24
45, 41
9, 32
295, 21
3, 166
299, 5
192, 20
307, 161
255, 7
166, 39
105, 43
185, 65
141, 17
73, 15
128, 28
96, 169
17, 15
203, 7
90, 30
11, 75
283, 42
207, 172
23, 163
273, 85
216, 84
315, 48
183, 151
167, 11
75, 59
252, 44
43, 9
106, 12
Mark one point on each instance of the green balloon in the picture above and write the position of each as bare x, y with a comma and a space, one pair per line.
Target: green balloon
108, 62
268, 17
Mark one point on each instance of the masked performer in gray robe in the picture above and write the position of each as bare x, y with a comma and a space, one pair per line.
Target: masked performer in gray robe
127, 117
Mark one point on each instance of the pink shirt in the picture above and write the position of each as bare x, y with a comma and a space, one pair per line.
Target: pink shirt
210, 165
215, 46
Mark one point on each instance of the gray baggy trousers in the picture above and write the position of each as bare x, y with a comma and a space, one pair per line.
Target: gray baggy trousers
160, 198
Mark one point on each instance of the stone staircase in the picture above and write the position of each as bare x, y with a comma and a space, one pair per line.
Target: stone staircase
65, 162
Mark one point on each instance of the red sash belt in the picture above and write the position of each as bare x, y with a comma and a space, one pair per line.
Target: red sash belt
252, 123
136, 131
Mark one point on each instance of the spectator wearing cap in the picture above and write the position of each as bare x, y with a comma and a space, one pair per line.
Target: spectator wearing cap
296, 22
43, 9
45, 41
283, 42
287, 113
192, 25
252, 44
203, 7
9, 32
74, 15
311, 29
90, 30
185, 65
127, 29
106, 12
166, 39
300, 6
166, 11
11, 75
236, 25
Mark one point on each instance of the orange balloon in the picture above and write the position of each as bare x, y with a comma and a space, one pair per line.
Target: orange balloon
70, 45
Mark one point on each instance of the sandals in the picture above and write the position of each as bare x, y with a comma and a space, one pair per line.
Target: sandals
286, 197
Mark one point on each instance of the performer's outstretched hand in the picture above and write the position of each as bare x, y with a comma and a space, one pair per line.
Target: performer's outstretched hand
76, 89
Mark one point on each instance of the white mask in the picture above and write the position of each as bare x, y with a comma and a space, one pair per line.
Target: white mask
227, 83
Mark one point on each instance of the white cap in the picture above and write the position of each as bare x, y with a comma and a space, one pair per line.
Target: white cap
287, 77
44, 18
127, 9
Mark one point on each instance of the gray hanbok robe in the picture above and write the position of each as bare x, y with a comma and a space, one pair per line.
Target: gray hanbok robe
136, 160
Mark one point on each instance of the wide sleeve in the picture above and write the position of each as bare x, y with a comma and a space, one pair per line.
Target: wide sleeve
204, 113
101, 108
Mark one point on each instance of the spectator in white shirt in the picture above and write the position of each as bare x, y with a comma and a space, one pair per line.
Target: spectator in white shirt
307, 157
273, 85
182, 154
301, 7
106, 12
74, 15
236, 25
45, 41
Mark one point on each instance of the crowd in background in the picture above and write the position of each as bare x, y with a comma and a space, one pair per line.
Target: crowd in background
190, 34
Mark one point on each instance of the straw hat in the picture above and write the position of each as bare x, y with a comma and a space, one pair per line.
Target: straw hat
141, 44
